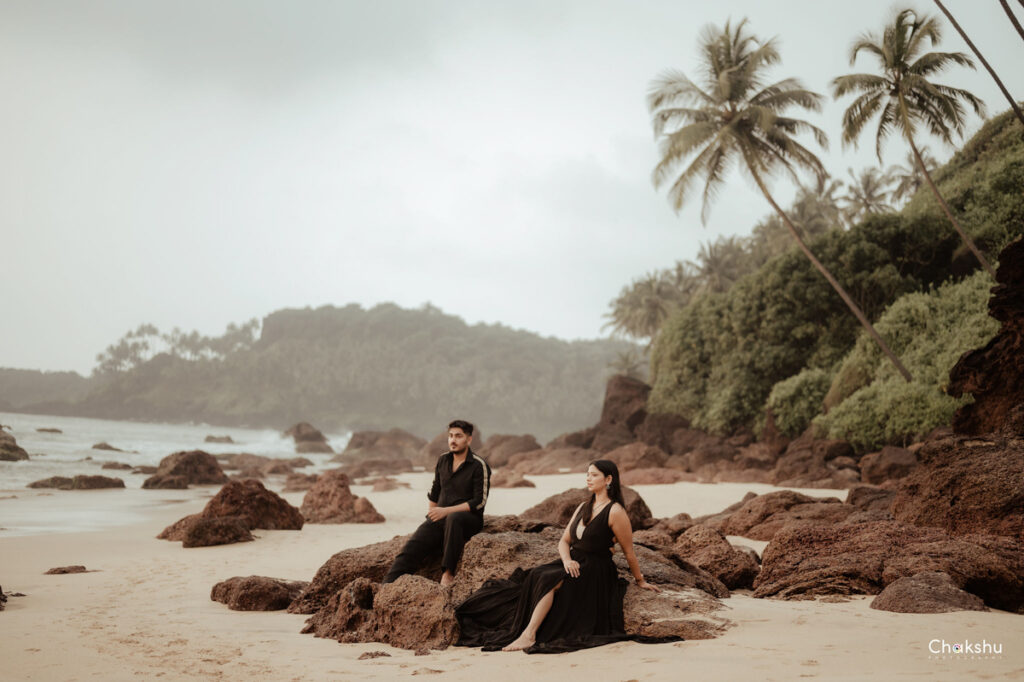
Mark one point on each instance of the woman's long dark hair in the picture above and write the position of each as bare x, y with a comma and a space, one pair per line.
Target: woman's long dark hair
608, 468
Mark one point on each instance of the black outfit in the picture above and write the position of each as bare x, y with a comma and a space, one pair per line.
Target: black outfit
586, 611
470, 483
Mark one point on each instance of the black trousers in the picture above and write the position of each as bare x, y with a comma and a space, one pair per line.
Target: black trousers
446, 537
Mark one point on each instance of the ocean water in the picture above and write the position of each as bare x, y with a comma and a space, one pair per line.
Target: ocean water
28, 511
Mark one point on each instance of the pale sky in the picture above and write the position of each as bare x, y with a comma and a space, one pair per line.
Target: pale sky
191, 164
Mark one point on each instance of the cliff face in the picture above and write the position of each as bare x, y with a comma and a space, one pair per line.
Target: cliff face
994, 375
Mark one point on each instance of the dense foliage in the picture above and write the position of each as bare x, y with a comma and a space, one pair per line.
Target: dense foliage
354, 368
717, 359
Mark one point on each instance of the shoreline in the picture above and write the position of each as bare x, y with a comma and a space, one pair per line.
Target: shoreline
146, 611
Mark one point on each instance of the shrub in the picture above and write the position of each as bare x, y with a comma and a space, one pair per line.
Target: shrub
797, 400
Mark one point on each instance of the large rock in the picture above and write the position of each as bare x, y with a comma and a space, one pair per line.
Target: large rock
248, 501
548, 461
209, 532
928, 592
708, 549
966, 485
659, 429
625, 403
79, 482
257, 593
870, 498
382, 445
637, 456
891, 463
761, 517
809, 462
192, 467
499, 448
331, 501
575, 439
307, 439
506, 478
299, 482
10, 451
804, 561
994, 374
558, 509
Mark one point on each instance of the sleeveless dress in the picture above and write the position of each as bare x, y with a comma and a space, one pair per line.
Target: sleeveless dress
586, 611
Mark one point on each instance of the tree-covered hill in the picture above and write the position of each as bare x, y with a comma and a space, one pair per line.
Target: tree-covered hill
349, 368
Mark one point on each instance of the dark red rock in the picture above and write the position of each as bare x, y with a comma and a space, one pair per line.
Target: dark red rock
257, 593
637, 456
194, 467
209, 532
299, 482
763, 516
331, 501
655, 476
870, 498
247, 501
808, 560
610, 437
79, 482
659, 429
673, 525
395, 444
890, 463
63, 570
708, 549
806, 463
966, 485
558, 509
10, 451
928, 592
564, 460
499, 448
506, 478
574, 439
994, 374
625, 403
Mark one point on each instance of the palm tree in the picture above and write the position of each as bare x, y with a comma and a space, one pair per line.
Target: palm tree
909, 178
905, 97
720, 263
984, 62
867, 194
733, 116
642, 307
1013, 18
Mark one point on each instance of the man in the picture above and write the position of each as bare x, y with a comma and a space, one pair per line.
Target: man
457, 497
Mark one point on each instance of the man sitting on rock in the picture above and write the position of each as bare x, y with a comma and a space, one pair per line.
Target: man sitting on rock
456, 512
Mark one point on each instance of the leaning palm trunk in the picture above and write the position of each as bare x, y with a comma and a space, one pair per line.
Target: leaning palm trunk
991, 71
854, 308
1013, 17
949, 214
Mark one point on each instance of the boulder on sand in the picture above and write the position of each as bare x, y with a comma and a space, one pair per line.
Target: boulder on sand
330, 500
256, 593
79, 482
762, 516
928, 592
708, 549
506, 478
192, 467
499, 448
209, 532
10, 451
307, 438
248, 501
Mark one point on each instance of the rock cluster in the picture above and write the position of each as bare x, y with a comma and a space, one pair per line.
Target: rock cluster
179, 470
258, 466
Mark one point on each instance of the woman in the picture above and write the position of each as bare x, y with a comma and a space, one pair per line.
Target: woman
564, 605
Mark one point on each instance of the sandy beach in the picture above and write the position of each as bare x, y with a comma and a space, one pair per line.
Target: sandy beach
145, 610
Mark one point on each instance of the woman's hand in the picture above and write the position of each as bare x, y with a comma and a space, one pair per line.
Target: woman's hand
644, 585
572, 567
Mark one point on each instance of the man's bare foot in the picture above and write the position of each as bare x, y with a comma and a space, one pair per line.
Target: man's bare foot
447, 580
522, 642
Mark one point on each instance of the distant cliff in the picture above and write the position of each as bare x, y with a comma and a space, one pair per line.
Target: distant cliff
339, 368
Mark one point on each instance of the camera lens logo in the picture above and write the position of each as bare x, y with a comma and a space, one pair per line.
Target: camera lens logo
958, 648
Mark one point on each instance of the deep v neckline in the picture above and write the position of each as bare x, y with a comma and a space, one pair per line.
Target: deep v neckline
593, 517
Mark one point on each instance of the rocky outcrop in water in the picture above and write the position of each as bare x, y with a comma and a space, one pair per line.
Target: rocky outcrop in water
307, 439
10, 451
79, 482
181, 469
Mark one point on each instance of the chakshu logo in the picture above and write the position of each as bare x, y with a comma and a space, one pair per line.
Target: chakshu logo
940, 647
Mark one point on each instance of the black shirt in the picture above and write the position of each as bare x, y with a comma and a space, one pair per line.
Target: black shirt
470, 483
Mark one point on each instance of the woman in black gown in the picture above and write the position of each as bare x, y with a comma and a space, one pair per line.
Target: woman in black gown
564, 605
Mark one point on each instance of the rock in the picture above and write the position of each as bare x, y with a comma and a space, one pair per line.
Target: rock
563, 460
653, 539
994, 374
106, 446
192, 467
637, 456
763, 516
659, 429
145, 470
506, 478
716, 520
413, 613
395, 444
62, 570
308, 439
309, 447
79, 482
247, 500
218, 439
610, 437
890, 463
804, 561
385, 484
299, 482
331, 501
870, 498
116, 465
576, 439
804, 463
557, 510
655, 476
257, 593
48, 430
373, 654
674, 525
928, 592
374, 467
685, 440
966, 485
209, 532
499, 448
625, 403
708, 549
10, 451
3, 599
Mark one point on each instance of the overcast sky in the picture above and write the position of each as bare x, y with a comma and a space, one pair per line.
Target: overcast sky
194, 163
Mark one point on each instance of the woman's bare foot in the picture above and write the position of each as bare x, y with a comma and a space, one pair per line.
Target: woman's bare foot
522, 642
447, 579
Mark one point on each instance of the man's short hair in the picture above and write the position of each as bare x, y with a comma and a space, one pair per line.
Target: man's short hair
466, 427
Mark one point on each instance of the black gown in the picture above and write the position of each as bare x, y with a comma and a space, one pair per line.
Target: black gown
586, 611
